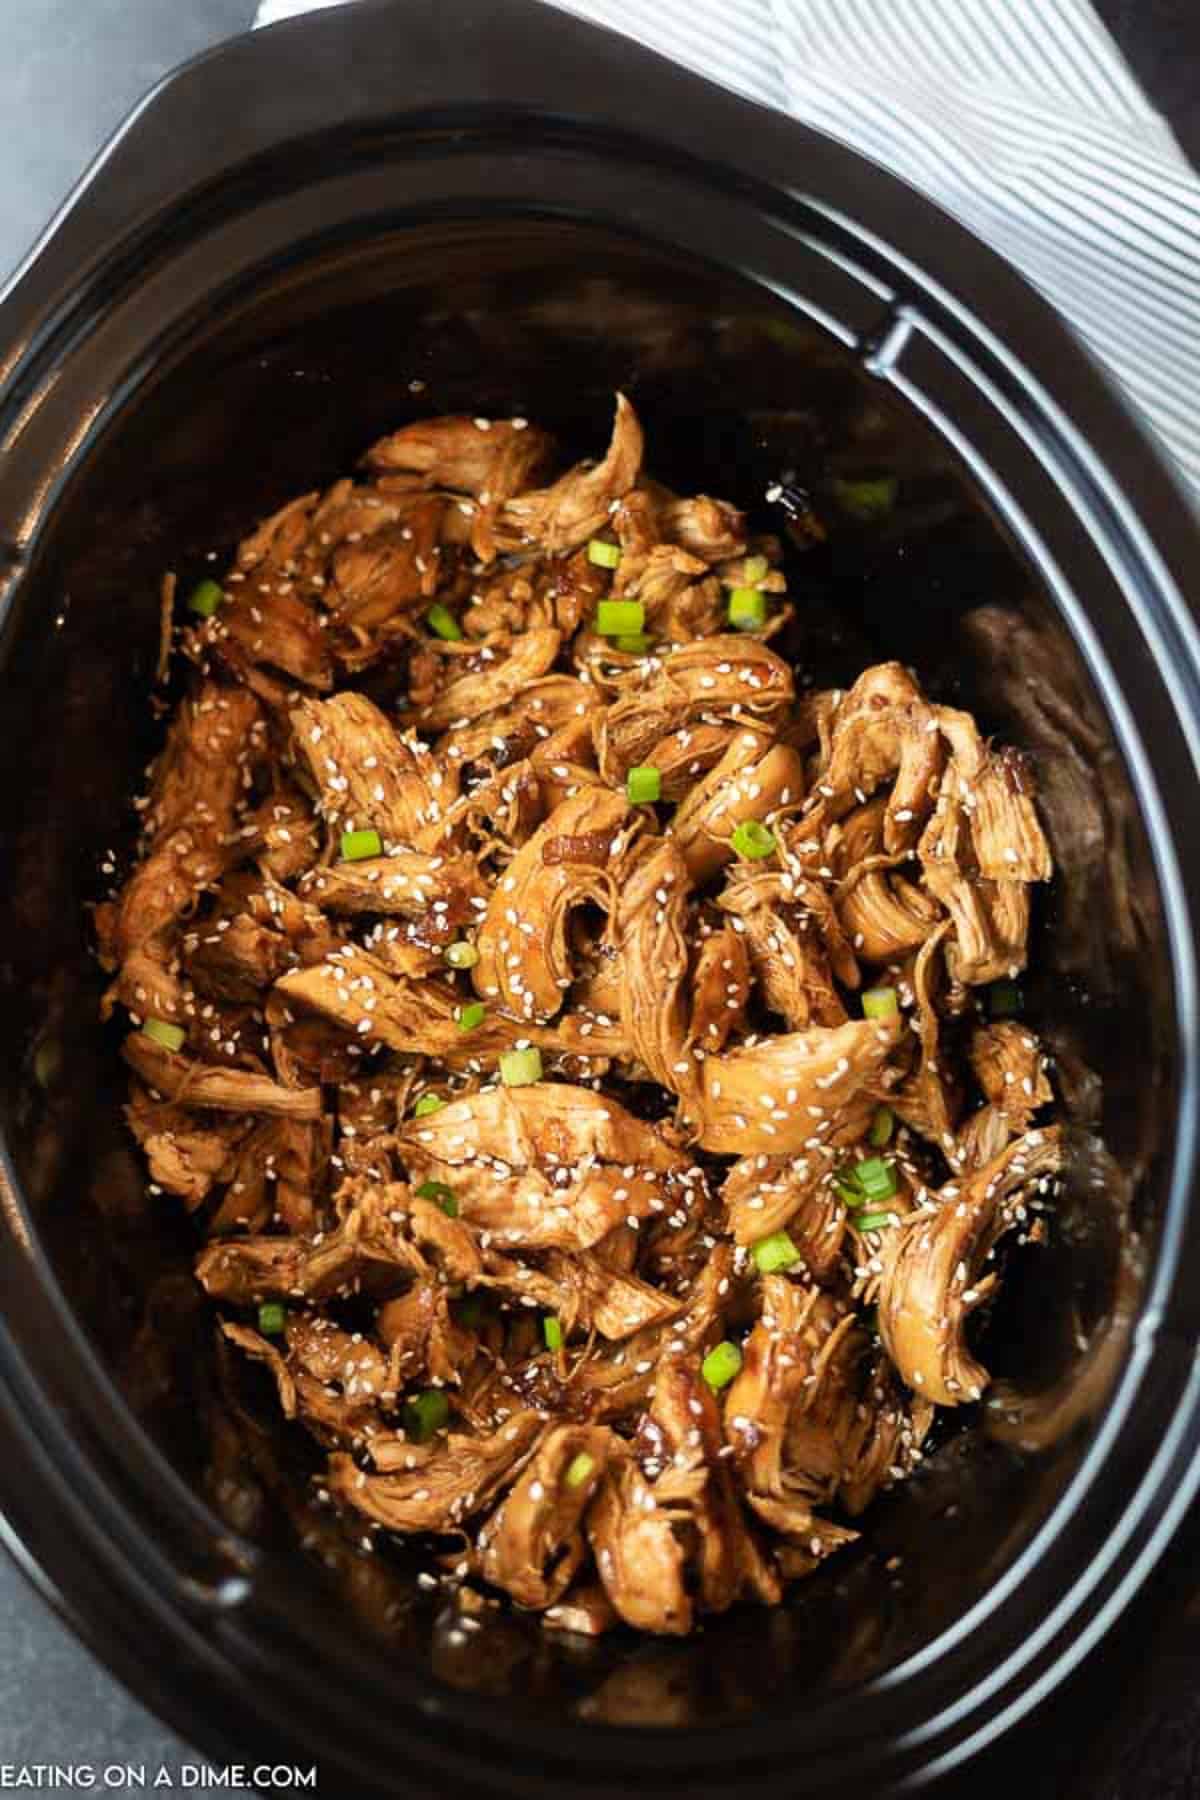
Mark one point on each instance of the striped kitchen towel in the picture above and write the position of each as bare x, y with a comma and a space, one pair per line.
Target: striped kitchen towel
1019, 116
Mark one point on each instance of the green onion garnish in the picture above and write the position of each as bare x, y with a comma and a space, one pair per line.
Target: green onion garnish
643, 785
747, 608
849, 1193
620, 618
462, 955
754, 569
880, 1003
425, 1414
1005, 1000
471, 1015
873, 1221
882, 1126
437, 1190
521, 1068
357, 846
428, 1103
876, 1178
721, 1365
169, 1036
633, 643
271, 1318
205, 598
552, 1332
579, 1468
775, 1252
440, 619
47, 1063
753, 840
605, 556
868, 499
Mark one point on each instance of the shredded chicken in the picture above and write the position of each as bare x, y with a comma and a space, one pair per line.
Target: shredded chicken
935, 1272
576, 507
569, 1033
524, 937
471, 456
533, 1544
785, 1093
547, 1165
434, 1493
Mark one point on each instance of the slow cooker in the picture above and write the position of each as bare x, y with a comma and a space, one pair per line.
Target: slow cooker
297, 243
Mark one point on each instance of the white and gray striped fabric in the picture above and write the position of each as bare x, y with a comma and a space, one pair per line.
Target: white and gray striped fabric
1019, 116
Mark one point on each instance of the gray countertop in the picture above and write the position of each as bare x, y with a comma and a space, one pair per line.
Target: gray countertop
68, 75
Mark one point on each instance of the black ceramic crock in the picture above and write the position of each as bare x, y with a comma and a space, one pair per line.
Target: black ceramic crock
297, 243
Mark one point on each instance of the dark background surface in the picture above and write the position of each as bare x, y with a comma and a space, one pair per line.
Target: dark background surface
1128, 1728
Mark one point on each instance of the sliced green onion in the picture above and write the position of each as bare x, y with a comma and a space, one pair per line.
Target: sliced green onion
775, 1252
169, 1036
462, 955
850, 1194
882, 1126
876, 1178
747, 608
357, 846
552, 1332
47, 1062
1005, 1000
205, 598
437, 1190
780, 332
471, 1015
643, 785
873, 1221
754, 569
271, 1318
440, 619
428, 1103
620, 618
605, 556
578, 1469
425, 1414
753, 840
633, 643
867, 499
521, 1068
721, 1365
880, 1003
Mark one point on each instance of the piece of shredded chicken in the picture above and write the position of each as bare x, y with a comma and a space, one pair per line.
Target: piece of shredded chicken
571, 1034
